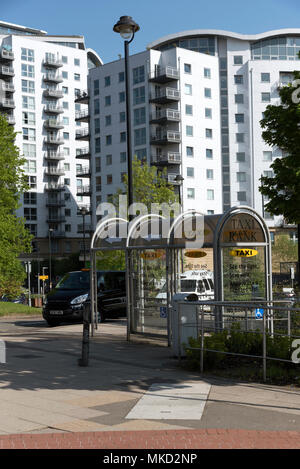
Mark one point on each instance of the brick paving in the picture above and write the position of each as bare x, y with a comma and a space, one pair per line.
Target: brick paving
167, 439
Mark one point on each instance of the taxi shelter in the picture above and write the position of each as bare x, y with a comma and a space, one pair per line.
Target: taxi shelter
157, 251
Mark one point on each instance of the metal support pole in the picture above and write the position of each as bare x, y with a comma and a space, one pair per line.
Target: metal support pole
264, 349
202, 340
84, 360
128, 126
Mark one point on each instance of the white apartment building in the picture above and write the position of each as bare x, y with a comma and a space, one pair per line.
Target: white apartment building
197, 98
39, 78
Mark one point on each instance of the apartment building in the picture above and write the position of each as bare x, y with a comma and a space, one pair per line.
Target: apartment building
40, 75
197, 98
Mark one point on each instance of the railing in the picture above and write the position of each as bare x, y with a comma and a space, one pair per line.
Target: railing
83, 171
82, 114
4, 70
54, 187
83, 190
53, 77
82, 133
54, 123
56, 140
53, 155
169, 93
171, 178
51, 108
82, 94
169, 136
55, 171
168, 71
8, 87
170, 157
87, 228
82, 151
5, 102
168, 114
268, 319
53, 93
53, 62
6, 54
55, 203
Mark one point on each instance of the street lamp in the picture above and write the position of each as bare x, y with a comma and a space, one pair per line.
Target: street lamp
50, 260
83, 212
127, 28
180, 180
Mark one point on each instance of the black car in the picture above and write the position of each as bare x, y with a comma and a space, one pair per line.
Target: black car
65, 302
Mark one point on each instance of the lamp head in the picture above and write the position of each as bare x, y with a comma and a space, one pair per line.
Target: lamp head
126, 27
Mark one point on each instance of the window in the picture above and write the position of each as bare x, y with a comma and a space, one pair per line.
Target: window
141, 154
123, 157
28, 102
189, 130
122, 116
139, 95
207, 92
139, 116
108, 120
265, 77
190, 172
107, 81
138, 74
190, 193
122, 97
108, 139
210, 212
210, 193
140, 136
108, 160
66, 151
239, 99
209, 153
76, 76
27, 55
30, 198
121, 77
109, 179
65, 105
208, 113
268, 174
67, 166
96, 87
67, 228
238, 79
30, 166
265, 97
96, 106
27, 70
66, 135
29, 150
209, 174
30, 213
187, 68
239, 118
31, 181
67, 181
77, 62
97, 125
28, 86
65, 120
122, 137
65, 75
207, 73
65, 89
240, 157
241, 196
189, 109
267, 156
241, 177
28, 134
97, 145
64, 59
28, 118
238, 60
188, 89
240, 138
107, 100
190, 152
208, 133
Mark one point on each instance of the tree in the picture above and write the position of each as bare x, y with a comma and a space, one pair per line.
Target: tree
14, 238
284, 250
281, 129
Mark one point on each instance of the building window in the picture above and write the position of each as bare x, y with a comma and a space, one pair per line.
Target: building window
107, 81
28, 118
122, 116
97, 145
138, 74
64, 59
27, 70
241, 177
139, 116
122, 137
208, 133
190, 152
97, 125
239, 118
209, 153
30, 213
189, 109
210, 194
188, 89
240, 137
190, 172
122, 97
65, 90
265, 97
28, 102
29, 150
208, 113
65, 120
241, 196
207, 92
28, 134
27, 55
123, 157
187, 68
66, 105
108, 139
139, 95
240, 157
189, 130
267, 156
209, 174
207, 73
109, 179
239, 98
108, 120
238, 60
96, 87
108, 160
265, 77
77, 62
65, 75
28, 86
76, 76
66, 136
141, 154
121, 77
190, 193
140, 136
107, 100
96, 106
239, 79
30, 198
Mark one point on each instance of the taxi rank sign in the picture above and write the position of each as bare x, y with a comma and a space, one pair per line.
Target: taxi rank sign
242, 229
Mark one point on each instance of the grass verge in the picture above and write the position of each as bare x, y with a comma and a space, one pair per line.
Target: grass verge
15, 309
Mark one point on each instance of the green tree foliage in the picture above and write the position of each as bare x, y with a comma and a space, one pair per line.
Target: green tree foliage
14, 238
283, 250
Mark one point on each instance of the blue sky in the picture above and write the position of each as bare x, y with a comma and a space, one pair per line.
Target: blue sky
95, 18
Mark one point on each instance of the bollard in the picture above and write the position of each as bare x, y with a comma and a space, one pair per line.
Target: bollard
84, 360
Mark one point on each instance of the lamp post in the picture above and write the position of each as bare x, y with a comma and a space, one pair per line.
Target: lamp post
83, 212
127, 28
50, 260
180, 180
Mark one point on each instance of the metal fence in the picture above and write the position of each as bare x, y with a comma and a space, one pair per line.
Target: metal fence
270, 319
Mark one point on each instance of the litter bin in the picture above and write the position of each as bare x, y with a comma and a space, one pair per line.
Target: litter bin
184, 321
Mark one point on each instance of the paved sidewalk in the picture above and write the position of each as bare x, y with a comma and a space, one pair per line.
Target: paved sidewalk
132, 395
170, 439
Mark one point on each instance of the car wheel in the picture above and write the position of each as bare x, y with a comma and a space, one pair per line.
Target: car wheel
101, 317
53, 322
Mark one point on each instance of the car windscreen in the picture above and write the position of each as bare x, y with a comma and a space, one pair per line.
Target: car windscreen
74, 281
188, 285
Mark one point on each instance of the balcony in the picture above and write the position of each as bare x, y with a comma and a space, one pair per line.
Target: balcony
166, 159
83, 172
165, 138
52, 109
6, 55
53, 78
54, 155
164, 75
6, 103
165, 96
86, 207
171, 179
87, 228
83, 116
6, 71
83, 190
55, 203
54, 171
54, 140
53, 124
53, 94
9, 87
83, 153
83, 134
58, 234
51, 186
82, 97
165, 115
52, 62
10, 119
56, 219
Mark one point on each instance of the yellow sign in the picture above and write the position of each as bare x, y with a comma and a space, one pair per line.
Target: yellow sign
195, 254
151, 255
43, 277
243, 252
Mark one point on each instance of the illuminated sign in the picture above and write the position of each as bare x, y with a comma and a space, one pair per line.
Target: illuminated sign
195, 254
243, 252
151, 255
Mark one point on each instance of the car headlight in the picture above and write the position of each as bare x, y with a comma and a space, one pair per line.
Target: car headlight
79, 299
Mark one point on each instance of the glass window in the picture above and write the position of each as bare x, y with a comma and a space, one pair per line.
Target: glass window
64, 59
241, 196
108, 139
28, 102
97, 145
207, 92
76, 76
209, 153
122, 137
140, 136
239, 118
107, 100
27, 70
267, 156
209, 174
28, 134
123, 157
107, 81
27, 55
29, 150
138, 74
141, 154
96, 87
265, 77
189, 109
122, 116
77, 62
190, 152
208, 113
241, 177
108, 120
121, 77
190, 172
239, 98
28, 86
66, 135
208, 133
210, 193
207, 73
28, 118
240, 157
187, 68
187, 89
65, 89
65, 74
238, 79
189, 130
240, 137
97, 125
266, 97
238, 60
139, 95
108, 160
122, 97
190, 193
139, 116
96, 106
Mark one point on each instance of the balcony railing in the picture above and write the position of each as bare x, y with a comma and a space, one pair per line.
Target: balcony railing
6, 54
54, 140
163, 138
55, 202
52, 109
9, 87
82, 116
82, 96
52, 62
55, 94
83, 190
166, 158
54, 171
56, 219
83, 153
87, 228
58, 234
165, 115
7, 103
171, 179
53, 78
54, 187
82, 134
164, 75
165, 95
83, 171
7, 71
54, 124
54, 155
87, 208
